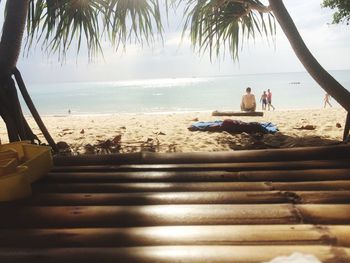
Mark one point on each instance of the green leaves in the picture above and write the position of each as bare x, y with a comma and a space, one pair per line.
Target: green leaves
217, 25
59, 23
342, 7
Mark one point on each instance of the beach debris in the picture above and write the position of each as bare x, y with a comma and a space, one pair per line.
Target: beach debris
63, 147
150, 145
64, 130
105, 146
117, 139
82, 131
123, 128
338, 125
172, 147
195, 119
306, 127
89, 149
159, 133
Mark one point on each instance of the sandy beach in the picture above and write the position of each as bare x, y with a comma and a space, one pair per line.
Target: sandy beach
167, 132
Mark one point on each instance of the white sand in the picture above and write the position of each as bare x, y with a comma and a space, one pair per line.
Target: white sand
169, 133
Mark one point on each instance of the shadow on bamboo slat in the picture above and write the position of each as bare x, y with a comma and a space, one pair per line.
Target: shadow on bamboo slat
339, 185
304, 153
153, 215
248, 197
189, 187
318, 197
198, 176
149, 187
265, 197
204, 254
177, 235
285, 165
161, 215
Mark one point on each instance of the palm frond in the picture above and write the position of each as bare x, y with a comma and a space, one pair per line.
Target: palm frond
57, 24
217, 25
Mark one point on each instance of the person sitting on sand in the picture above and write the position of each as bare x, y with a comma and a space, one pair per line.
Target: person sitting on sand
263, 100
248, 101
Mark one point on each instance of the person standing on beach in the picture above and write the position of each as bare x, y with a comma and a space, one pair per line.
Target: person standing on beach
263, 100
326, 99
269, 100
248, 101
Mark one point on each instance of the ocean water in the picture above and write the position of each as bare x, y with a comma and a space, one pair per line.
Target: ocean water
290, 91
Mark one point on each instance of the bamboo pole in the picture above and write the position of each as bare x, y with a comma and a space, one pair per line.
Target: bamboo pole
291, 154
151, 215
33, 110
170, 254
198, 176
176, 235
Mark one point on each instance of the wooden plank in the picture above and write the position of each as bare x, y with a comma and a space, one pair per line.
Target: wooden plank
164, 254
272, 155
238, 113
319, 197
249, 166
199, 176
342, 234
177, 235
154, 198
290, 154
311, 186
149, 187
153, 215
324, 214
264, 197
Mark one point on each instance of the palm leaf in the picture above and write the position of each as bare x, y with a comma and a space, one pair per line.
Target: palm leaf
57, 24
217, 25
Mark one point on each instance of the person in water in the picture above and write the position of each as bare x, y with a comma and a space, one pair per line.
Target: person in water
263, 100
248, 101
326, 99
269, 100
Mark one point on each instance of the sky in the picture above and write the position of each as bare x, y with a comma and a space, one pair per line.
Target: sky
175, 59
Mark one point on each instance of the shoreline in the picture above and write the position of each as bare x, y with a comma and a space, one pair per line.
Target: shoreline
167, 132
58, 115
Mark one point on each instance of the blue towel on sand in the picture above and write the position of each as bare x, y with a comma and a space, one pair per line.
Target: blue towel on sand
269, 126
234, 126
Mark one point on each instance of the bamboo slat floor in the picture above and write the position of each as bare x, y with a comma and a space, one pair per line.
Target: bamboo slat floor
248, 206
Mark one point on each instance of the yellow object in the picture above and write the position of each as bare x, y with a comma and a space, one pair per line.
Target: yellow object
22, 163
15, 146
8, 154
7, 166
38, 159
15, 185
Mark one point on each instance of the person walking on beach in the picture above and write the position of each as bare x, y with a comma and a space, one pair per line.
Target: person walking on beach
326, 99
248, 101
263, 100
269, 100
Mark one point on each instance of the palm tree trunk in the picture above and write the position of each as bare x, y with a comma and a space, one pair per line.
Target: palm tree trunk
10, 47
317, 72
12, 35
